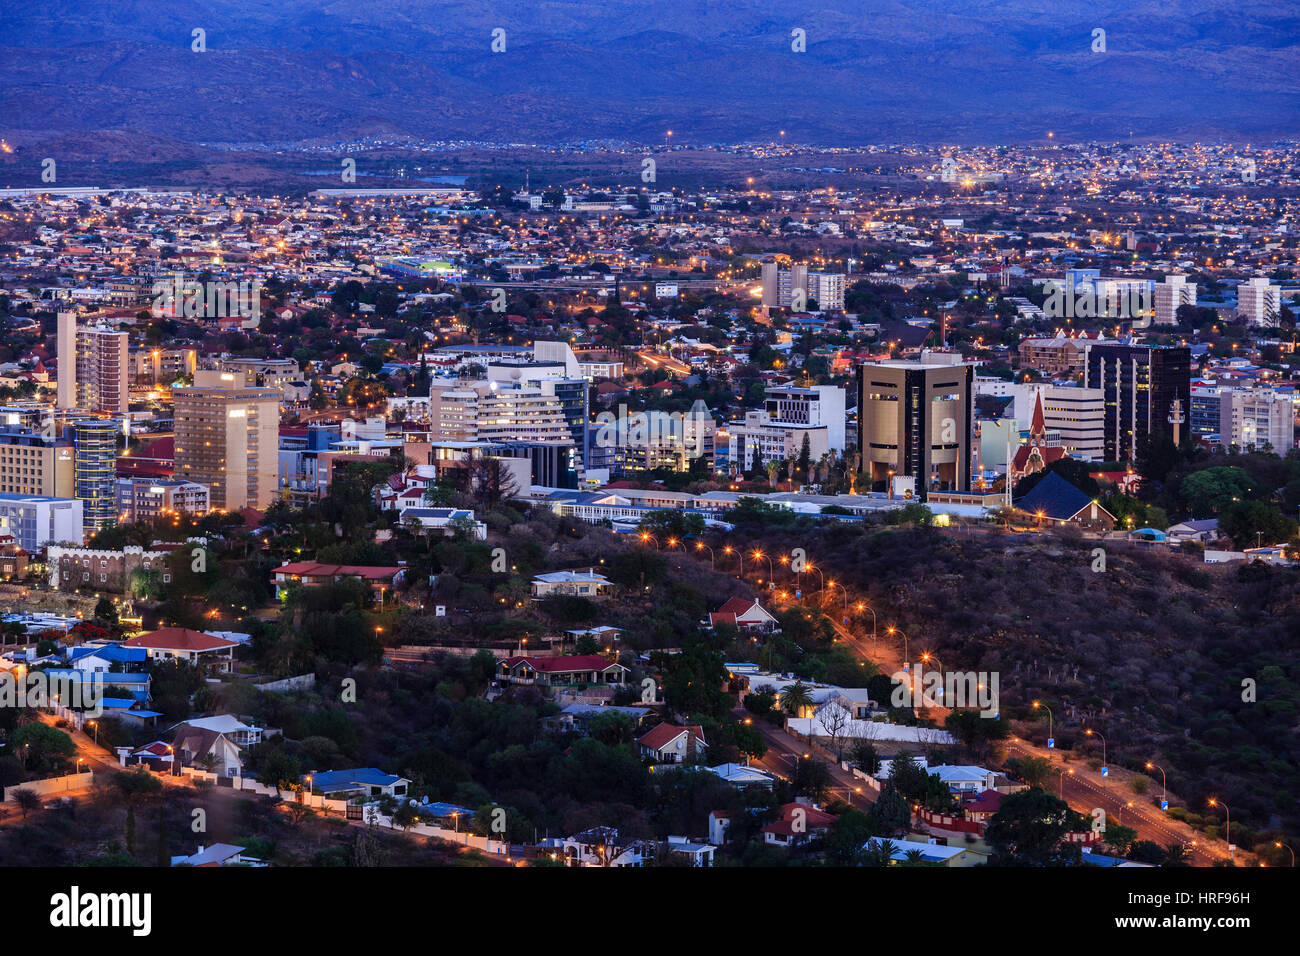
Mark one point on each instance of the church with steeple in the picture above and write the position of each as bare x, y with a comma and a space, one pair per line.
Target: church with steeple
1042, 448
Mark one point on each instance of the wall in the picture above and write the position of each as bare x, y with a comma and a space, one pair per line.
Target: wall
73, 781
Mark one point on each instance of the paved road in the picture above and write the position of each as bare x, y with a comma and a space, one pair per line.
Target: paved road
1083, 789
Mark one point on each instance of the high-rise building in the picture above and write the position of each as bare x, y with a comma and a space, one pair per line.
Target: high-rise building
94, 443
916, 421
227, 437
1175, 291
1140, 385
1257, 418
816, 405
1077, 415
1204, 419
93, 367
1259, 300
35, 464
796, 286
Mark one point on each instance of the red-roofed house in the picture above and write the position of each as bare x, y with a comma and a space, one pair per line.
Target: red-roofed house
561, 671
670, 743
797, 825
181, 643
313, 574
746, 615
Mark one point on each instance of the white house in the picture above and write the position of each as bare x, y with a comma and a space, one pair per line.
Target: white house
580, 583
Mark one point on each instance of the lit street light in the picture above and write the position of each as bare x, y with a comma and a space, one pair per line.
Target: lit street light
1050, 741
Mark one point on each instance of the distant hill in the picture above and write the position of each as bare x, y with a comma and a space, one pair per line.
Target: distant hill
899, 70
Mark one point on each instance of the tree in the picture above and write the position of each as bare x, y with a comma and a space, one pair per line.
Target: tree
1119, 837
1249, 523
1028, 829
27, 800
846, 843
1212, 490
835, 718
46, 747
106, 612
1032, 770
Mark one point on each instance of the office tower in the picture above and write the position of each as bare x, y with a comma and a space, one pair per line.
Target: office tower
38, 520
1259, 301
1204, 420
93, 365
1077, 416
917, 421
1169, 295
94, 443
35, 464
1257, 419
227, 437
1139, 385
818, 405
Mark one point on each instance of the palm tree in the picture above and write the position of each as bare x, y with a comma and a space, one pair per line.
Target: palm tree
773, 469
795, 699
914, 857
882, 852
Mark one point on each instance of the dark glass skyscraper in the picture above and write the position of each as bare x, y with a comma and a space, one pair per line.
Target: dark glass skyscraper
1139, 387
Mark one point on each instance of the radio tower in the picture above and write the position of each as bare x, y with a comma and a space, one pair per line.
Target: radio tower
1176, 418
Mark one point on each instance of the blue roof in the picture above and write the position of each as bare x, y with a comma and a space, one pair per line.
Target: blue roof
334, 780
1055, 497
111, 653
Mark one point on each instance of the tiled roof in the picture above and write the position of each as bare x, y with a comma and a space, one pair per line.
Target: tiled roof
178, 639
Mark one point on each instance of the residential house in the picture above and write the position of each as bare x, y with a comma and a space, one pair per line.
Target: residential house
796, 825
931, 852
670, 743
744, 615
184, 644
219, 854
208, 750
381, 580
568, 671
361, 782
578, 583
601, 846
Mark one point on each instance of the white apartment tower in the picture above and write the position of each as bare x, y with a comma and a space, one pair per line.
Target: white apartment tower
1169, 295
1259, 301
93, 365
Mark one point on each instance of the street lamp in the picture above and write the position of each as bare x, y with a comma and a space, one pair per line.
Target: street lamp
757, 555
821, 578
1090, 732
1050, 741
1227, 832
95, 724
891, 631
1061, 780
701, 546
861, 606
1164, 790
648, 538
832, 584
1280, 846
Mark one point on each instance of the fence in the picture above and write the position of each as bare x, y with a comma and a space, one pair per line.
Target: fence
355, 812
73, 781
301, 682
